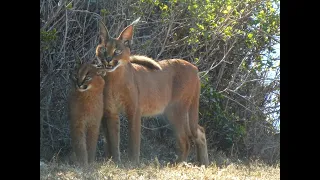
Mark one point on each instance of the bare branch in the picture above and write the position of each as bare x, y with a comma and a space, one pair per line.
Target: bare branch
222, 60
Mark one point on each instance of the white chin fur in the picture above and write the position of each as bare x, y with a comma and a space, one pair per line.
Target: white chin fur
113, 69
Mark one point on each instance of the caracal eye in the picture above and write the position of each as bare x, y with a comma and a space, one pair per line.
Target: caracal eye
102, 49
118, 51
88, 78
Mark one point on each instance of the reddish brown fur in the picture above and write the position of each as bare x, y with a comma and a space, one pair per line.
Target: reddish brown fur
86, 110
138, 90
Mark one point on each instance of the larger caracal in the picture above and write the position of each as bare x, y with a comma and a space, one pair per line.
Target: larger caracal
140, 86
86, 110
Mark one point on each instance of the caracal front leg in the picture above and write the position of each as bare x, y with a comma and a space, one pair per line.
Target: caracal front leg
106, 142
112, 123
134, 119
78, 141
92, 140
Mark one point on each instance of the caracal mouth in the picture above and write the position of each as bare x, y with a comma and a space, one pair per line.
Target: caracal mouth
113, 67
109, 67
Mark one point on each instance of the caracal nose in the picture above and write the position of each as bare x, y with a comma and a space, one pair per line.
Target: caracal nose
109, 59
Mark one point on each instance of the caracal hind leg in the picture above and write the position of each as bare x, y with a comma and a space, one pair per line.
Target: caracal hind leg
92, 140
199, 137
112, 122
178, 117
184, 146
79, 145
201, 146
198, 133
134, 119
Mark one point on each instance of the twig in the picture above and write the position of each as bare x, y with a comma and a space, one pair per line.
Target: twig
237, 103
153, 129
245, 99
54, 16
86, 11
165, 39
65, 35
222, 60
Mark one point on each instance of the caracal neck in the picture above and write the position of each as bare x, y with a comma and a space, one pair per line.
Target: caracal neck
121, 73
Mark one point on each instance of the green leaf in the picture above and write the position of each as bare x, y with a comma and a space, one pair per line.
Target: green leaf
69, 6
195, 6
164, 7
250, 35
200, 26
196, 60
272, 10
103, 11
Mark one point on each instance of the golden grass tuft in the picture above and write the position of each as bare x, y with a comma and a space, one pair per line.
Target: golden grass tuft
108, 170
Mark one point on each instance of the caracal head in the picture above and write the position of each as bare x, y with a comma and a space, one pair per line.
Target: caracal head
86, 74
114, 52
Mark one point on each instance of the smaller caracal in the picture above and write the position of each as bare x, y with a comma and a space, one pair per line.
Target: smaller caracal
86, 110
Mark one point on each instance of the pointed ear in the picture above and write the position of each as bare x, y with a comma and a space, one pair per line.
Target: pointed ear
104, 34
101, 72
127, 33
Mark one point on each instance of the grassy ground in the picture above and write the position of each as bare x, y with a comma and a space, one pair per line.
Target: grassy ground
155, 170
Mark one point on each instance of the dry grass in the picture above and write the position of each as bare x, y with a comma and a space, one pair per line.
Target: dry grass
154, 170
